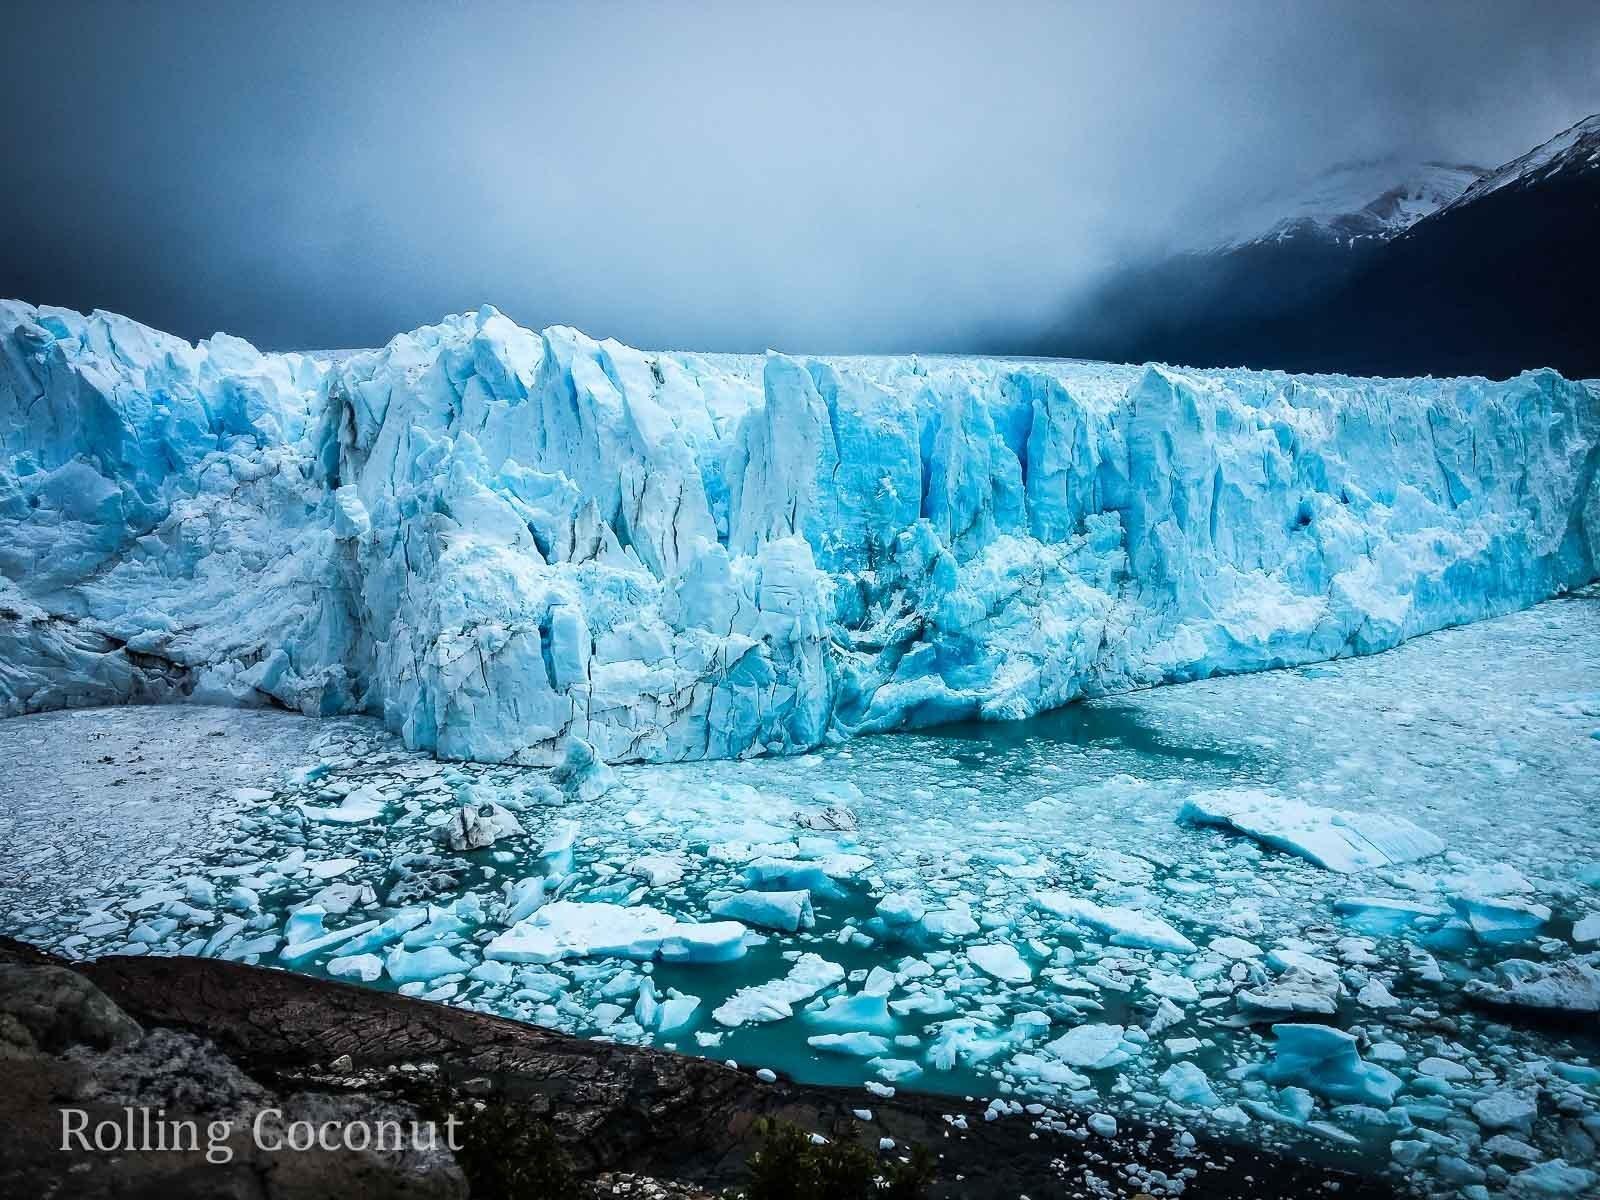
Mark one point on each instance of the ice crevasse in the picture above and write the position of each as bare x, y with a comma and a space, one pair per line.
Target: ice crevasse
521, 546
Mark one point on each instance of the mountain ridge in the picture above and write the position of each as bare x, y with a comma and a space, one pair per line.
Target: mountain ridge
1502, 278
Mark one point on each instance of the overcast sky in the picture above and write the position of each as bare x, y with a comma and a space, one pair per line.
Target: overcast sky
803, 176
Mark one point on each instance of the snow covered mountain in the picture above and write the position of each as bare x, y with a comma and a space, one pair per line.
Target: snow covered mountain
1350, 204
536, 547
1501, 277
1571, 153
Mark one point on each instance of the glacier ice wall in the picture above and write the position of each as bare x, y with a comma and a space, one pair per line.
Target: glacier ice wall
508, 542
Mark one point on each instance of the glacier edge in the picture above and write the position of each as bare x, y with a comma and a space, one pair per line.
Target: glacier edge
536, 547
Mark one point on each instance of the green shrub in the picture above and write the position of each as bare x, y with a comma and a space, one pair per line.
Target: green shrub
791, 1166
509, 1154
506, 1152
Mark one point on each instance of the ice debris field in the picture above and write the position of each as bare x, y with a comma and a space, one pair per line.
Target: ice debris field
1350, 909
1351, 906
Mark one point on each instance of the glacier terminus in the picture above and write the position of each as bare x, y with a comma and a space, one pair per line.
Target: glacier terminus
538, 548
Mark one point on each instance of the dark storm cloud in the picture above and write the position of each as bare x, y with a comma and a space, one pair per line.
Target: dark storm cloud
827, 177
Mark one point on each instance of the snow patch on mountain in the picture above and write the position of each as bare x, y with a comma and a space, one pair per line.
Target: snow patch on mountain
1350, 203
1574, 149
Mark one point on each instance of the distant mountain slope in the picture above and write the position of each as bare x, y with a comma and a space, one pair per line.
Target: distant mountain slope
1504, 277
1351, 203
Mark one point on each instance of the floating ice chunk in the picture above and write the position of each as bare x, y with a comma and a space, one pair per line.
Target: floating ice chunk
1001, 960
901, 908
391, 930
422, 966
524, 897
1381, 916
895, 1070
1172, 987
358, 807
676, 1012
1339, 841
365, 967
1126, 926
775, 999
862, 1011
834, 818
1297, 990
1503, 1145
1507, 1110
929, 1003
494, 973
1092, 1047
1553, 1180
1187, 1084
339, 898
1049, 1070
657, 870
968, 1041
1572, 986
859, 1045
576, 929
304, 925
788, 911
880, 982
1325, 1060
1586, 929
1444, 1068
1374, 994
1497, 920
331, 868
790, 874
303, 933
477, 826
1234, 948
955, 921
580, 773
556, 852
1493, 879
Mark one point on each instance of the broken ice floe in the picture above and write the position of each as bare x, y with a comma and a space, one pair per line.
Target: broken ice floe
1339, 841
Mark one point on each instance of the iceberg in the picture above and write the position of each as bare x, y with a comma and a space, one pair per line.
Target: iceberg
1572, 986
786, 911
1002, 961
1338, 841
1125, 926
1092, 1047
578, 929
775, 999
540, 548
1325, 1060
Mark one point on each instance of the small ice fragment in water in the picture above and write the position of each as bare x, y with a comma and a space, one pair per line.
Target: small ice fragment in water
1126, 926
1002, 961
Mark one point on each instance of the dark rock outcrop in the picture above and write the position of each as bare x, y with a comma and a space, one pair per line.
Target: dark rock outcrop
226, 1039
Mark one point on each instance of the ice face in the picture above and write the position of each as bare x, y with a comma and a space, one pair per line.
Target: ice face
539, 548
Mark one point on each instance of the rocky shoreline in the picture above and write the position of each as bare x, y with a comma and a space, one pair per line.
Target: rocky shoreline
215, 1039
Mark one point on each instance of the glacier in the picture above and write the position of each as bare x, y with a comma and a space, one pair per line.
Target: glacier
539, 548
